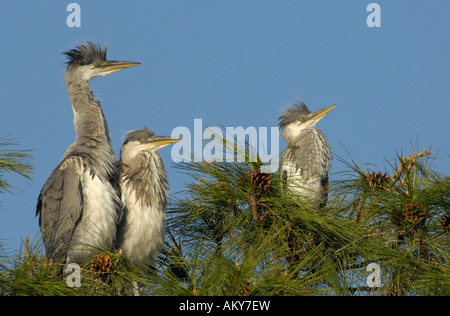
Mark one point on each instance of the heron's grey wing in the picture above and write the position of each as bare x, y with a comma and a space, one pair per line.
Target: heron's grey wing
60, 206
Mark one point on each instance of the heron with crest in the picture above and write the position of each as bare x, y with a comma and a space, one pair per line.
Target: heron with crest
78, 206
143, 188
305, 163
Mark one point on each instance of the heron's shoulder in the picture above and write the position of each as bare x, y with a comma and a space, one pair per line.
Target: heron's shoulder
83, 163
68, 170
72, 162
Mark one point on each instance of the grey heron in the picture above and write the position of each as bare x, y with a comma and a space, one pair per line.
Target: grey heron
306, 161
78, 207
143, 185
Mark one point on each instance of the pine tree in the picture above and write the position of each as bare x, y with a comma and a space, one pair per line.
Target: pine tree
238, 234
234, 231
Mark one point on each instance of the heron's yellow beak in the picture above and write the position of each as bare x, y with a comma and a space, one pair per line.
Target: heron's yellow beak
318, 115
162, 141
112, 66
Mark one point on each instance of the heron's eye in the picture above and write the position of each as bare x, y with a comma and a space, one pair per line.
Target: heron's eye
301, 119
96, 63
141, 140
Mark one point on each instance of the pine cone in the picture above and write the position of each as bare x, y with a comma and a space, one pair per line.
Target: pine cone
377, 181
260, 180
446, 223
102, 266
244, 289
414, 212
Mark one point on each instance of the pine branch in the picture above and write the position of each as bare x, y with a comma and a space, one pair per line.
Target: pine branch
405, 166
13, 161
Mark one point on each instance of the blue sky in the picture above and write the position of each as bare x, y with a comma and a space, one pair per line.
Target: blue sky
230, 63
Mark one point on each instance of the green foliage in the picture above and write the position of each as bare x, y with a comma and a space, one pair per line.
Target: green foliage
244, 237
13, 162
235, 231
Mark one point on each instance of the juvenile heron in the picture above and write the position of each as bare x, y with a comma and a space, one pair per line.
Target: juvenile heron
307, 159
144, 186
78, 207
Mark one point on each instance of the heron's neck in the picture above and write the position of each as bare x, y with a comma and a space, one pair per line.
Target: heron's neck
92, 130
89, 120
146, 176
293, 134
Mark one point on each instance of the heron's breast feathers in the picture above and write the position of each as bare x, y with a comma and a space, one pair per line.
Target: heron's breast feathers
310, 155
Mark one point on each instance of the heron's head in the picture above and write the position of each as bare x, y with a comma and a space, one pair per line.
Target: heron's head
299, 117
89, 61
143, 140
